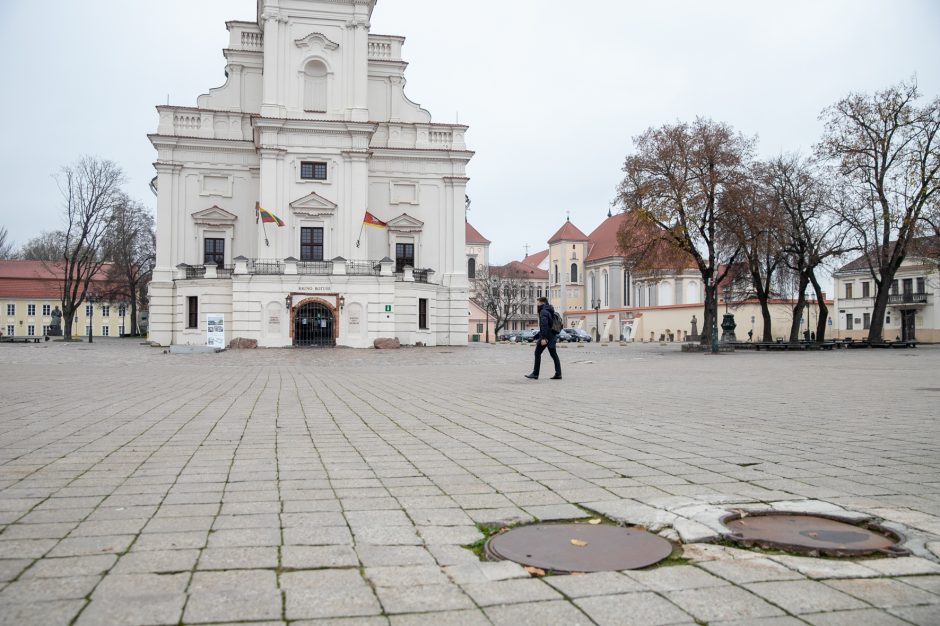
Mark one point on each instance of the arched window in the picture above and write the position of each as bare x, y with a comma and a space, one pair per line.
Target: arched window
592, 286
574, 272
471, 268
606, 279
556, 272
315, 87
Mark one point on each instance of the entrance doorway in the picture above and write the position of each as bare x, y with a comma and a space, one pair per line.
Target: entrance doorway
907, 325
313, 325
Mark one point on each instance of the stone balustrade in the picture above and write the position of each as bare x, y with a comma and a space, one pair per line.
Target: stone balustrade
385, 48
204, 123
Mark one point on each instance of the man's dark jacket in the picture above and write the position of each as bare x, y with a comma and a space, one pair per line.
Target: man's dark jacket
546, 312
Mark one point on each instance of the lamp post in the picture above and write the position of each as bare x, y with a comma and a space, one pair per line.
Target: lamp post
90, 298
123, 315
596, 305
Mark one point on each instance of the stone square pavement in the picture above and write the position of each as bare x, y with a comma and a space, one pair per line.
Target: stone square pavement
338, 487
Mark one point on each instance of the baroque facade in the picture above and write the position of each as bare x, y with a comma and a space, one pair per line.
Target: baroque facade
313, 126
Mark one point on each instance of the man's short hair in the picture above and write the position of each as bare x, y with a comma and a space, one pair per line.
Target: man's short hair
542, 299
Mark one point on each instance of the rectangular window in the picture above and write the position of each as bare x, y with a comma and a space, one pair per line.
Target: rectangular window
11, 330
122, 311
30, 310
47, 309
192, 312
423, 313
120, 331
479, 328
894, 287
11, 309
866, 320
404, 256
848, 322
105, 331
88, 309
213, 251
31, 331
908, 286
921, 285
848, 291
866, 289
87, 330
45, 330
311, 244
313, 170
106, 311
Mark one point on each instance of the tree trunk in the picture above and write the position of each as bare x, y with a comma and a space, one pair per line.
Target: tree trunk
763, 296
765, 315
876, 330
798, 310
711, 313
822, 310
68, 317
134, 316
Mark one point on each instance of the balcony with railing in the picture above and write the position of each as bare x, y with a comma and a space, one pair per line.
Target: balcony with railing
265, 267
909, 299
292, 267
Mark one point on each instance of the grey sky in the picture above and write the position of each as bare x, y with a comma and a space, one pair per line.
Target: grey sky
553, 90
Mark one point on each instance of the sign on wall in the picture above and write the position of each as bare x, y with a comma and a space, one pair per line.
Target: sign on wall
215, 330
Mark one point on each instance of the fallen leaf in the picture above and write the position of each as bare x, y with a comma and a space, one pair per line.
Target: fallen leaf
535, 571
578, 542
576, 574
595, 521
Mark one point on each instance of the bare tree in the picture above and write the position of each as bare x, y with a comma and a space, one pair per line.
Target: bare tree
812, 232
47, 246
887, 149
91, 189
130, 244
7, 250
676, 180
500, 291
756, 228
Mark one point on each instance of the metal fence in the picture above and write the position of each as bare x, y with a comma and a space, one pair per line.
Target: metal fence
265, 266
195, 271
315, 268
363, 268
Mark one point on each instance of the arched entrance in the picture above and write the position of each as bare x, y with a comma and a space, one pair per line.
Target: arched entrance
314, 325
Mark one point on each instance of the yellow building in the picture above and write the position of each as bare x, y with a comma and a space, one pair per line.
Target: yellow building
31, 290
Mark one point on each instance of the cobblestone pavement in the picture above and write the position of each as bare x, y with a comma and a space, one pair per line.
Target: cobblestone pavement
303, 487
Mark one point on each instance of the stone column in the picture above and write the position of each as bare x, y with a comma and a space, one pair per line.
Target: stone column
349, 221
271, 159
168, 222
269, 104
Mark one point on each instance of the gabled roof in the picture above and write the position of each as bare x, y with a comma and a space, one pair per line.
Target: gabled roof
921, 247
568, 232
536, 259
604, 238
474, 236
37, 279
518, 269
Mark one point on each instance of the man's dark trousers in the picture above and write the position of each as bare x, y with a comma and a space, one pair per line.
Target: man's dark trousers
539, 349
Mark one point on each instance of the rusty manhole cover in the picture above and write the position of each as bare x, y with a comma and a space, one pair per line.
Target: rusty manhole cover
795, 532
579, 547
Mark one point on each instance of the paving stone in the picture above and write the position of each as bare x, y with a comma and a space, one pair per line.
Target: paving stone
458, 535
472, 617
170, 541
762, 621
406, 575
378, 556
156, 561
510, 592
328, 593
57, 613
675, 578
717, 603
150, 611
43, 589
903, 566
633, 609
804, 596
863, 617
883, 593
440, 517
537, 614
237, 558
71, 566
750, 571
422, 598
25, 548
234, 595
245, 537
920, 615
594, 584
550, 512
927, 583
824, 568
387, 535
477, 571
11, 568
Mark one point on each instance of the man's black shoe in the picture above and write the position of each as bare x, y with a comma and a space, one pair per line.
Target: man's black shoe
556, 377
532, 376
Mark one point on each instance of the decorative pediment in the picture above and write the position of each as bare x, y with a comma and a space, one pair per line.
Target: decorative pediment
316, 40
404, 223
313, 205
214, 216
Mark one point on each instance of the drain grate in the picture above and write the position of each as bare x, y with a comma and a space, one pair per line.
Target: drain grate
795, 532
578, 547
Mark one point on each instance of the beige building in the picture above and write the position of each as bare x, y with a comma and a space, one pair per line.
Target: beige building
482, 326
31, 290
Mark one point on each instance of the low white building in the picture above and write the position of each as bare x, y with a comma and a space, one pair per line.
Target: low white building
313, 125
913, 312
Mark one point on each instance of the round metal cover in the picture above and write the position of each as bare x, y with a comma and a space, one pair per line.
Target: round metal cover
810, 533
579, 547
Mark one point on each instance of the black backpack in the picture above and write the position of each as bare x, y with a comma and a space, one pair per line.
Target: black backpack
557, 322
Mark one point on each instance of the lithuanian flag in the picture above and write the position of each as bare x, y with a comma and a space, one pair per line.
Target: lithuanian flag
266, 216
371, 220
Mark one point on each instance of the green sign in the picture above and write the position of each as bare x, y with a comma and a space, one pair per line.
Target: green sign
388, 308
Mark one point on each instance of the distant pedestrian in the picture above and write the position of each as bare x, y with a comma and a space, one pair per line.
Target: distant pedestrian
546, 339
750, 334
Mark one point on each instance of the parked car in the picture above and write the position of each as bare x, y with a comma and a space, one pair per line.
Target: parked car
582, 335
528, 336
566, 335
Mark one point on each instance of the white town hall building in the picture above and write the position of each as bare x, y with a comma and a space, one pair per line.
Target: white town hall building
312, 125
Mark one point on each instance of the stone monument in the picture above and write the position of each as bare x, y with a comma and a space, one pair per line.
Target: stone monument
55, 329
727, 329
693, 336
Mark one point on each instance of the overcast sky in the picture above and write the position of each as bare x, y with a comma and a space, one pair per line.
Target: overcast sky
552, 90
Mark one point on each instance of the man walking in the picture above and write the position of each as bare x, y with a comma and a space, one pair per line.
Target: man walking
546, 339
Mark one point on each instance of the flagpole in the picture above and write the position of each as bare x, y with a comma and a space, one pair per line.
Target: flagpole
361, 227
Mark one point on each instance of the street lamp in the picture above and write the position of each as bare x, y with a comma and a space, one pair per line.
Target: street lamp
596, 305
123, 315
90, 298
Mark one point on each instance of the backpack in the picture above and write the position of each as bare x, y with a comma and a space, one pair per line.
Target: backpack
557, 322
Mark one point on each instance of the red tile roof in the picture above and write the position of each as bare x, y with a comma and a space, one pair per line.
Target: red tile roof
37, 279
518, 269
536, 259
474, 236
568, 232
604, 238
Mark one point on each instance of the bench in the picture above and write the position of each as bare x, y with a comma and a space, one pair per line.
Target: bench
20, 339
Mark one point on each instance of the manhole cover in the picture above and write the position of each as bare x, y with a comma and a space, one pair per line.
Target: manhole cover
579, 547
810, 533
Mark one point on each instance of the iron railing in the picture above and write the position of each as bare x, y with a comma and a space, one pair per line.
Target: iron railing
315, 268
265, 266
908, 298
363, 268
422, 276
195, 271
